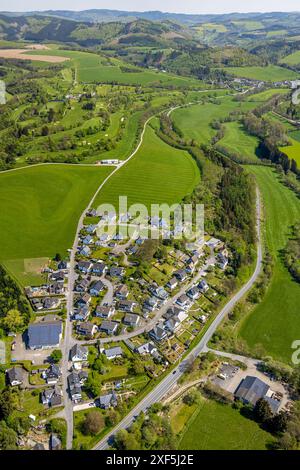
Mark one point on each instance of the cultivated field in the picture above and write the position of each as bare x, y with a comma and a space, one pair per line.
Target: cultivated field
25, 55
238, 142
292, 59
275, 322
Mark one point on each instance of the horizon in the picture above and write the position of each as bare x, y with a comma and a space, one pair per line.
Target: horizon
191, 7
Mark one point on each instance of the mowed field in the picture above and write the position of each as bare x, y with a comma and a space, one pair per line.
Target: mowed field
292, 59
40, 207
271, 73
293, 151
275, 322
220, 427
237, 141
94, 68
195, 121
158, 173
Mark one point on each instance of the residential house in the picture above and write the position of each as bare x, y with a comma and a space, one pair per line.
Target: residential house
62, 265
203, 286
55, 442
174, 323
52, 396
88, 240
82, 286
84, 266
181, 275
122, 292
161, 293
50, 303
44, 335
74, 387
84, 251
172, 312
82, 313
91, 228
79, 353
58, 276
15, 376
126, 305
104, 311
222, 261
84, 300
146, 348
131, 319
173, 283
183, 301
99, 269
158, 333
112, 353
150, 304
52, 375
96, 288
108, 401
116, 271
109, 327
56, 288
193, 293
87, 329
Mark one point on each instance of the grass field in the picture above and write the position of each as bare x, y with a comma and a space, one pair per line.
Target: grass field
194, 121
267, 94
293, 151
40, 207
292, 59
237, 141
220, 427
271, 73
158, 173
275, 322
93, 68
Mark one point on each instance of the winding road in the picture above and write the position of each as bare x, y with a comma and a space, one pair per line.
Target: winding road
169, 381
69, 341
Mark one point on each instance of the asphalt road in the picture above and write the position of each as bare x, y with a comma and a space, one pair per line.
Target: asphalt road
169, 381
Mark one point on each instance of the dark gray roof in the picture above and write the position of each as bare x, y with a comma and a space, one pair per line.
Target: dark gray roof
251, 389
44, 334
15, 374
111, 352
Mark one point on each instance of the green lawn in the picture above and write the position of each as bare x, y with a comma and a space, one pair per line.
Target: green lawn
237, 141
292, 59
40, 207
275, 322
220, 427
293, 151
158, 173
271, 73
194, 121
267, 94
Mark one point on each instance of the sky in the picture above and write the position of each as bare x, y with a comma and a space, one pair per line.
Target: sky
186, 6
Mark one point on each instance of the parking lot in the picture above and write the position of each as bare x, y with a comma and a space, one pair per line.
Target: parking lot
229, 378
22, 354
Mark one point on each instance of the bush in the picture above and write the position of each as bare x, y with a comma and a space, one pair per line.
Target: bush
93, 423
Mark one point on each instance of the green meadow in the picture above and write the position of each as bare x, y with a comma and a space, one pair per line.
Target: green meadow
293, 150
275, 322
94, 68
40, 207
292, 59
157, 173
271, 73
215, 426
237, 141
195, 121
